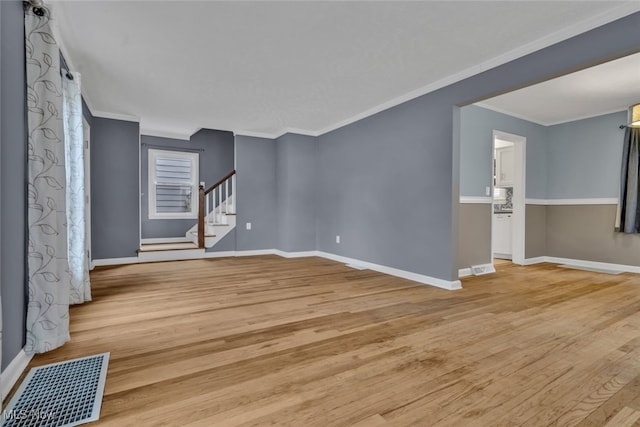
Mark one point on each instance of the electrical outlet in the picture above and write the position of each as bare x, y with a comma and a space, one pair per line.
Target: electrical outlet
487, 190
248, 226
338, 239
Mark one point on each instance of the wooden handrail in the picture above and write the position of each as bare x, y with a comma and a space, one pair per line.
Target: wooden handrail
220, 181
201, 216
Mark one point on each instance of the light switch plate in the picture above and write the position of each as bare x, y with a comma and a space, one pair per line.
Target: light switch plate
338, 239
248, 226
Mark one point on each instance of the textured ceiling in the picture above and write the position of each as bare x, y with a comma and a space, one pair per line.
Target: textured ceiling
264, 68
606, 88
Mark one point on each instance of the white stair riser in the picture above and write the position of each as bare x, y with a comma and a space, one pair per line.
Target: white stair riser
216, 224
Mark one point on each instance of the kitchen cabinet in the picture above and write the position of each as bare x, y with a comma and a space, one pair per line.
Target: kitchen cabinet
505, 167
502, 235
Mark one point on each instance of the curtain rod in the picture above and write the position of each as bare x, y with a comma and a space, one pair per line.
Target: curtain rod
36, 5
165, 147
64, 67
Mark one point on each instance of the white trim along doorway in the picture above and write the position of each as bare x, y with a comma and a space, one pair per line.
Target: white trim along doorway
518, 200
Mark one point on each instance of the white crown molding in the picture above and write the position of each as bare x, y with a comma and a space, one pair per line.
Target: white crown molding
114, 116
585, 201
590, 116
300, 132
476, 200
264, 135
541, 43
594, 201
610, 15
166, 134
12, 372
509, 113
535, 201
277, 134
542, 122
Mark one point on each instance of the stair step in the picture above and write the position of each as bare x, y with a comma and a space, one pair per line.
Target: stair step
153, 247
195, 233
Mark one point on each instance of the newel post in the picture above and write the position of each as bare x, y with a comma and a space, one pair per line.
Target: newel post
201, 216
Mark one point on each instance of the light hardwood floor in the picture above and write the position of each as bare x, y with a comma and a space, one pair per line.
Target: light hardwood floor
257, 341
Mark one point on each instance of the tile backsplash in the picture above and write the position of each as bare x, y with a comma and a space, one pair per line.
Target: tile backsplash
508, 204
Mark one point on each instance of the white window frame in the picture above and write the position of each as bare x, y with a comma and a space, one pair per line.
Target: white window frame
153, 154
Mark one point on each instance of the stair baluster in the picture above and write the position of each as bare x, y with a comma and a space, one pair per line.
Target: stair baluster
210, 209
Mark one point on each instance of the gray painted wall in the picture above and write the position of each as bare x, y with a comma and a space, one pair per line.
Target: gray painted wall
215, 161
12, 180
584, 158
475, 234
256, 198
384, 186
476, 138
0, 202
586, 232
535, 233
115, 230
296, 173
412, 147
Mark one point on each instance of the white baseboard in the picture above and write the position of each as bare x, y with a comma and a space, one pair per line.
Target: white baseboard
583, 263
488, 268
151, 241
255, 252
595, 264
12, 373
536, 260
301, 254
114, 261
220, 254
176, 255
420, 278
464, 272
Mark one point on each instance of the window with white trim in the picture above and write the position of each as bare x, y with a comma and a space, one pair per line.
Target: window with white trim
173, 184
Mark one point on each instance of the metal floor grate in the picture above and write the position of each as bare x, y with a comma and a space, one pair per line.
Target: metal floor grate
59, 395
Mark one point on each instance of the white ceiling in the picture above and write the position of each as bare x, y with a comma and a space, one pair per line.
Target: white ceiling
264, 68
606, 88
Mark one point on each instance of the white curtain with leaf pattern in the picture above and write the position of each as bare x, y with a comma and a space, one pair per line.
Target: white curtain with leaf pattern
48, 274
74, 159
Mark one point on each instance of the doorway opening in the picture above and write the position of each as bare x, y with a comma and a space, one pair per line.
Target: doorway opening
508, 190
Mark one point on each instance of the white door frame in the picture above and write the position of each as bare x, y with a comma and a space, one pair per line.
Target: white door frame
518, 200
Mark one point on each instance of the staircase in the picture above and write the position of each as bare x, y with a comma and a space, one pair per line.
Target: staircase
217, 212
216, 219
